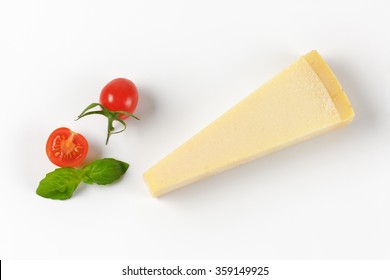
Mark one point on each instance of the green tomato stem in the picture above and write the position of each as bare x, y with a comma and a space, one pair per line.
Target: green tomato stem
111, 117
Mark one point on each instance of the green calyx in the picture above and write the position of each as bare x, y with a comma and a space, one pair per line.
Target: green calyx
111, 117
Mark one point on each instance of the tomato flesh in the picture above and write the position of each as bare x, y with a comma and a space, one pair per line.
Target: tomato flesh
66, 148
120, 95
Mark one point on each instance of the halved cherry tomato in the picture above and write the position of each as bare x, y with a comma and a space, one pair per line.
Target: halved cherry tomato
120, 95
66, 148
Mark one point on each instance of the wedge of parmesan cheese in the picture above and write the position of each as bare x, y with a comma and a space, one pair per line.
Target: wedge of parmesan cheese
302, 101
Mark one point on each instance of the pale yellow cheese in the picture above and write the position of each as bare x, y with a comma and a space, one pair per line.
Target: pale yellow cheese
300, 102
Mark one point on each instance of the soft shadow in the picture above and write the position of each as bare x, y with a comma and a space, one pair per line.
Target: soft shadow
94, 150
146, 103
80, 189
358, 93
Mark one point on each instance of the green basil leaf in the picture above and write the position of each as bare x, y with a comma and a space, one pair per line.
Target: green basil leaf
104, 171
59, 184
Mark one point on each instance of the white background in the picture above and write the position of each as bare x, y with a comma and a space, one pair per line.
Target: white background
327, 198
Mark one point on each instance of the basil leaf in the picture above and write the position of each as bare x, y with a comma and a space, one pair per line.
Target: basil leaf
104, 171
59, 184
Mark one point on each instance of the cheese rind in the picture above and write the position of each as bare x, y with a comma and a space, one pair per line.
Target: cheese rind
331, 83
302, 101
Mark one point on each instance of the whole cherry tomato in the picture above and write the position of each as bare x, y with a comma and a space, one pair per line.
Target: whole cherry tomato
120, 95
